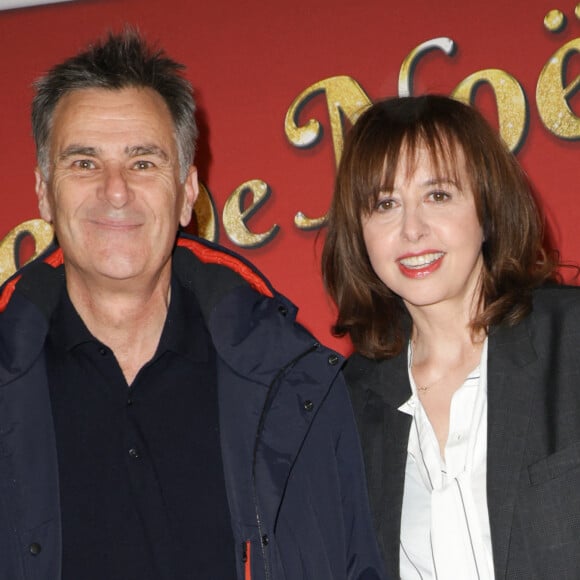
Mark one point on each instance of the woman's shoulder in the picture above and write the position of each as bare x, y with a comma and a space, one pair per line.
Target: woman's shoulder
381, 377
555, 310
362, 376
357, 367
556, 299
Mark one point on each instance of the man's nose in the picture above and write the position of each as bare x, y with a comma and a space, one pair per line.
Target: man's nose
116, 189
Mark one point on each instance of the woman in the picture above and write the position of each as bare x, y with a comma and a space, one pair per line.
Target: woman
466, 376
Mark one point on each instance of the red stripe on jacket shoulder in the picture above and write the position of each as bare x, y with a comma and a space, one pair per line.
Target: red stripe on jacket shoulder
54, 259
204, 253
212, 256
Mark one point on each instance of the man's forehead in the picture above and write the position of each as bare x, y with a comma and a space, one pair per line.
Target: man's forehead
108, 101
134, 120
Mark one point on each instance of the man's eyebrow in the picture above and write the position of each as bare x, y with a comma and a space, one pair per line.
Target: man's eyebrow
135, 151
75, 149
138, 150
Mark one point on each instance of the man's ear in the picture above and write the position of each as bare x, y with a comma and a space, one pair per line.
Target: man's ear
190, 193
41, 189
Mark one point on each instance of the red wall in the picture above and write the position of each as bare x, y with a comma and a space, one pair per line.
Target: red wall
250, 60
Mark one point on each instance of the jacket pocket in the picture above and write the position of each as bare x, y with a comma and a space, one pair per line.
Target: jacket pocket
555, 465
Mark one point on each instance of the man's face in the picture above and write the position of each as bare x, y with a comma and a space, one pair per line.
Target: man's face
113, 191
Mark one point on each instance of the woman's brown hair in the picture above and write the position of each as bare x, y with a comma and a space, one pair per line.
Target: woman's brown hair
515, 259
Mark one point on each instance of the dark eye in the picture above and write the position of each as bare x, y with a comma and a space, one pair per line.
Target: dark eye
385, 204
440, 196
141, 164
84, 164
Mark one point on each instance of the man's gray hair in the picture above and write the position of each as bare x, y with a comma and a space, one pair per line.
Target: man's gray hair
119, 61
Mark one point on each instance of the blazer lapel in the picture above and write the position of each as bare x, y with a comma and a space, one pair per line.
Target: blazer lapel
510, 381
384, 433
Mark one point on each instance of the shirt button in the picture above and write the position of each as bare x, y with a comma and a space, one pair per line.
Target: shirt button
134, 453
102, 351
333, 359
265, 540
35, 548
308, 405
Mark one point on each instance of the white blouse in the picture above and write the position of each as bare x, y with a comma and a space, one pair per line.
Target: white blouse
445, 532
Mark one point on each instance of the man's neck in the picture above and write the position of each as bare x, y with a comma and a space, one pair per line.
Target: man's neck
129, 318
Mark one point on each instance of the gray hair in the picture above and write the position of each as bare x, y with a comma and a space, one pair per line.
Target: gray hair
119, 61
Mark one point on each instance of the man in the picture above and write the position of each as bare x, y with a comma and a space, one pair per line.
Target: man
162, 415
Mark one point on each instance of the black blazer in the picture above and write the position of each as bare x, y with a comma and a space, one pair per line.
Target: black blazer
533, 456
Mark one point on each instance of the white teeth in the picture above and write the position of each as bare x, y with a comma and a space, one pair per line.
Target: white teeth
421, 261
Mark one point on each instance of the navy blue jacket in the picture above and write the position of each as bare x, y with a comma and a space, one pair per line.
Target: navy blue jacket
292, 463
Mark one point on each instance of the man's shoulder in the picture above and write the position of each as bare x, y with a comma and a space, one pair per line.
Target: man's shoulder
227, 286
40, 281
194, 254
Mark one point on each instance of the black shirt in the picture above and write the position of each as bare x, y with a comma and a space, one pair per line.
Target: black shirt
141, 476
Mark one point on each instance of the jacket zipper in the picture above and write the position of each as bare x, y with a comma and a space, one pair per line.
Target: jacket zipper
261, 422
247, 560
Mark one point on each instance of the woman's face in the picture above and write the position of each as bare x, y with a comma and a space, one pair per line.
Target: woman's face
424, 238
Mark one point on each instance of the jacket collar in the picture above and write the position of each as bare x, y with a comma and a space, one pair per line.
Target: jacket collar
28, 301
29, 298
